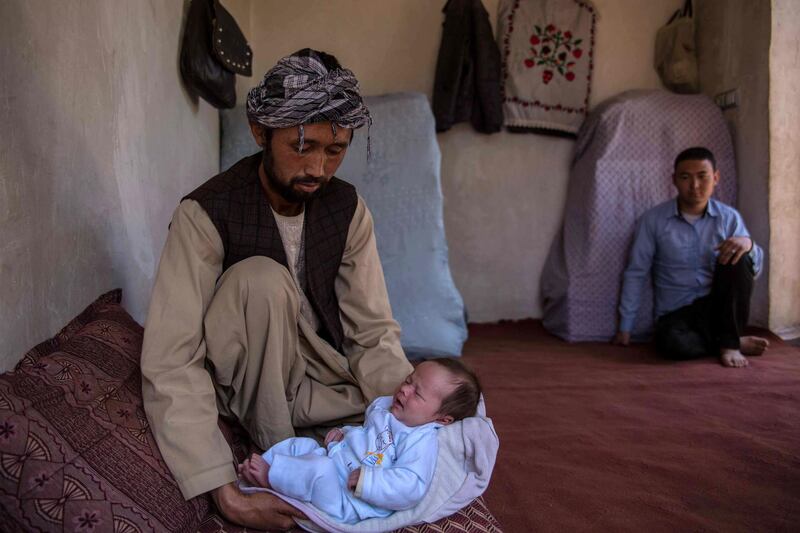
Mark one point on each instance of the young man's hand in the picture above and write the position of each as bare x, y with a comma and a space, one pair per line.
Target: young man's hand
260, 510
352, 479
334, 435
731, 250
622, 338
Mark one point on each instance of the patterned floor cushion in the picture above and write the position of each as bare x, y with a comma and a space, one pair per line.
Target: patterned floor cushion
75, 450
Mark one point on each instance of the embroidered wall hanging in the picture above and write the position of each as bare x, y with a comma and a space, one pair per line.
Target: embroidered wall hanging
547, 58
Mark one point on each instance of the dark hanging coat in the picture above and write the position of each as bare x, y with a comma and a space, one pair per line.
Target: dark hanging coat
467, 85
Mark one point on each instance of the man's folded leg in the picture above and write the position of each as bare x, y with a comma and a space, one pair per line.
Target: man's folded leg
684, 333
730, 294
251, 337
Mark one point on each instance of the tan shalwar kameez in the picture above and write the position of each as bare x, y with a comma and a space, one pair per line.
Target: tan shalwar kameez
238, 345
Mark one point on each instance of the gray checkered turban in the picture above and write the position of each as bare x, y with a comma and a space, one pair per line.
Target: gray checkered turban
300, 90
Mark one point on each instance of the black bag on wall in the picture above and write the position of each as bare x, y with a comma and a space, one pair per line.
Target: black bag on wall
213, 51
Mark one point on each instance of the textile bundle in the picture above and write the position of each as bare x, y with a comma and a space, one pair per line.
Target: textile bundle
547, 58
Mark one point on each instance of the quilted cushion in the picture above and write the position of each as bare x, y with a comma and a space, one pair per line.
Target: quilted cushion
76, 453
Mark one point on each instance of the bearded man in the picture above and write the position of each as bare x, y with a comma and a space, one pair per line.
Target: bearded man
269, 305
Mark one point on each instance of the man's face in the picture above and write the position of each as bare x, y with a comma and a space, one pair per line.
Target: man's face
419, 398
298, 176
695, 180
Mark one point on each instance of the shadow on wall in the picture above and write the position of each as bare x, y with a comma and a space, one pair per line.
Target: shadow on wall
100, 146
55, 258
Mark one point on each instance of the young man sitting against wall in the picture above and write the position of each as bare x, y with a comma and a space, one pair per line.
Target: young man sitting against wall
703, 263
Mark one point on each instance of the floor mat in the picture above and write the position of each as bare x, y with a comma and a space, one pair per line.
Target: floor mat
598, 437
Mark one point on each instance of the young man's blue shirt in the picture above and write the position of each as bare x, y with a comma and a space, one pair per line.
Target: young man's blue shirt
680, 255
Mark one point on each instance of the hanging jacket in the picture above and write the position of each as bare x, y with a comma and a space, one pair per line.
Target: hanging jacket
467, 84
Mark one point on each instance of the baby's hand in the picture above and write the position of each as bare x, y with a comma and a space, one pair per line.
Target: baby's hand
352, 479
334, 435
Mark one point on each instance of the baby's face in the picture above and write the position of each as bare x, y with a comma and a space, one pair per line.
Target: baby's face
419, 398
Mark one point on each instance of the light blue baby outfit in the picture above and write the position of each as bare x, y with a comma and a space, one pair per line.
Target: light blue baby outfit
397, 465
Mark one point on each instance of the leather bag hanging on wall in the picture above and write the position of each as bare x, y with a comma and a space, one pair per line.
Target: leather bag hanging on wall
675, 55
213, 51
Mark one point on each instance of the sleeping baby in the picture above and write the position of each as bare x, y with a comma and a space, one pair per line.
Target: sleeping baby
387, 464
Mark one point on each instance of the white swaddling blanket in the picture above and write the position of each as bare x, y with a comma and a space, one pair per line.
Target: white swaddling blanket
467, 453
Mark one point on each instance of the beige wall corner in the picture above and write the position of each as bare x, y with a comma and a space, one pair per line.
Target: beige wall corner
784, 184
726, 62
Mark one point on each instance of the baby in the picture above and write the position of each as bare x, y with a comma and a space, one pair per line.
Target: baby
383, 466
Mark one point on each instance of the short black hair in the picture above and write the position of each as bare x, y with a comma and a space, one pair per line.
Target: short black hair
463, 401
696, 153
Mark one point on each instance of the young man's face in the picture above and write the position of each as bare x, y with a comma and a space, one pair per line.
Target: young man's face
298, 176
418, 399
695, 180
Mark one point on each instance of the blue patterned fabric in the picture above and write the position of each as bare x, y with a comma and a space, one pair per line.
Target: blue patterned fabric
400, 183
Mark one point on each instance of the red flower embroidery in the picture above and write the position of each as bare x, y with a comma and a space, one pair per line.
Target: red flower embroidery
554, 53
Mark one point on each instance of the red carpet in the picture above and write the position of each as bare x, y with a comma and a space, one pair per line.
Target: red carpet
601, 438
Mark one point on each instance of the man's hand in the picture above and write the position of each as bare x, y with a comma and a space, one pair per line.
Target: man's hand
334, 435
259, 511
731, 250
352, 479
622, 338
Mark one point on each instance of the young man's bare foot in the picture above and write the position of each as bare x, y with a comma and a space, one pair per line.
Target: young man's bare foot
753, 345
733, 359
255, 471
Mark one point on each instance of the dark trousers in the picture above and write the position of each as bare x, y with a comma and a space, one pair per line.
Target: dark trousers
710, 323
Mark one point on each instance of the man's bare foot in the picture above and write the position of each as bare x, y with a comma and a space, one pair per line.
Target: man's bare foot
733, 359
256, 471
753, 345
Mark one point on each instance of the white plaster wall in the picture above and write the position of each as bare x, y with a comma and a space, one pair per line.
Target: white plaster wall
729, 61
98, 141
784, 186
504, 193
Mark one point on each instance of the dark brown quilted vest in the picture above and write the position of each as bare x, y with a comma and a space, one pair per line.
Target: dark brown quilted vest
238, 207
